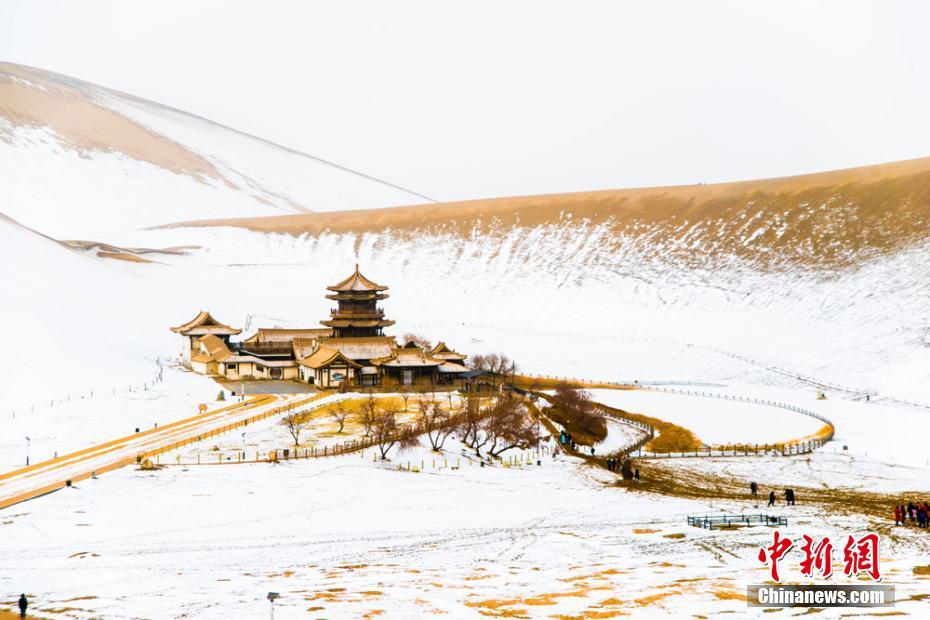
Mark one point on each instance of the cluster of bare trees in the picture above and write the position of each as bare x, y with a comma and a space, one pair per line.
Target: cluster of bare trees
491, 425
496, 425
497, 363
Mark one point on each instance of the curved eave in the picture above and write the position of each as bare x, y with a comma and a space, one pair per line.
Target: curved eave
336, 323
357, 296
357, 282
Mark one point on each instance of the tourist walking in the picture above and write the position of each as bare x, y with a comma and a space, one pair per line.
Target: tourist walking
23, 604
771, 498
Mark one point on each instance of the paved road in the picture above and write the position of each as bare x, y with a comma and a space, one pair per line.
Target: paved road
29, 482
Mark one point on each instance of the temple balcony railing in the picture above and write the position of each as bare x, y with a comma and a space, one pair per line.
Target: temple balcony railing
376, 313
264, 348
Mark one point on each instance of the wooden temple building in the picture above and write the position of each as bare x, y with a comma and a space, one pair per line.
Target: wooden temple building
350, 351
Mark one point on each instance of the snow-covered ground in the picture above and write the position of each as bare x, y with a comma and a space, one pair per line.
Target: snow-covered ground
349, 536
619, 436
345, 537
90, 419
714, 421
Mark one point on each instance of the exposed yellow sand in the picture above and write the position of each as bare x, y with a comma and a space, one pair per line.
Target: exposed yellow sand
82, 124
878, 208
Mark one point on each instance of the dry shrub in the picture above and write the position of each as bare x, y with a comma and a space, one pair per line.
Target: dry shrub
575, 411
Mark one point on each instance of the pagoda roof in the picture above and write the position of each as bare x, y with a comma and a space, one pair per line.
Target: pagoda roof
357, 295
204, 323
362, 348
452, 367
342, 322
407, 358
325, 356
443, 352
278, 334
215, 347
357, 282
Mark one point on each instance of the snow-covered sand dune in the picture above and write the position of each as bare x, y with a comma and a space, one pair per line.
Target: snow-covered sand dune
78, 160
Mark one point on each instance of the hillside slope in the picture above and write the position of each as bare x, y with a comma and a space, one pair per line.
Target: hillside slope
829, 219
78, 160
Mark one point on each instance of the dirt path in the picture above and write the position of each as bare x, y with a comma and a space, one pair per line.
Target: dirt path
48, 476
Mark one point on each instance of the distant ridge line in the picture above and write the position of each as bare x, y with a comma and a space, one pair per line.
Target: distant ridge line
93, 85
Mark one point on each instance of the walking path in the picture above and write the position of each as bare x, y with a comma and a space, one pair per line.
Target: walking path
41, 478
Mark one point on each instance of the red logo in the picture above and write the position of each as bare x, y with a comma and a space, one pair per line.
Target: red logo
772, 554
819, 557
859, 556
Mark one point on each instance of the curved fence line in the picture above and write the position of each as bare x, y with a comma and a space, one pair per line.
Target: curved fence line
619, 384
789, 448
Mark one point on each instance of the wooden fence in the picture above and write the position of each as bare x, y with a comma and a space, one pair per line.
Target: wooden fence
300, 406
635, 448
789, 448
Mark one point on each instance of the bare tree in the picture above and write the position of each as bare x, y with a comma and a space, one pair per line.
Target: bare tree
435, 423
470, 422
495, 363
404, 392
340, 414
418, 340
508, 425
367, 414
295, 423
387, 433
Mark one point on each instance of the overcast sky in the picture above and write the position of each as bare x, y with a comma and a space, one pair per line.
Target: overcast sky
473, 98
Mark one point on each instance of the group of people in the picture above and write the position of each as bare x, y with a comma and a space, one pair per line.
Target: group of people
789, 494
912, 513
565, 439
625, 467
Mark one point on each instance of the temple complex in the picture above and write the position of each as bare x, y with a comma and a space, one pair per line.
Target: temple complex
350, 351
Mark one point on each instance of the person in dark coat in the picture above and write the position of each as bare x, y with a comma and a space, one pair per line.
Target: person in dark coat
771, 498
753, 488
23, 604
626, 468
636, 474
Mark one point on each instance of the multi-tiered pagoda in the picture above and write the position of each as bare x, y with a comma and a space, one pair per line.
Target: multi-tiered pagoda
351, 351
358, 314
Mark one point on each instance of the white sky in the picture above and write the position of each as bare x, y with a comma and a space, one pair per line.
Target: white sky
473, 99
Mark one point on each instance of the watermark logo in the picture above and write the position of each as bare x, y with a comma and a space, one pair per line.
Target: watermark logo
832, 595
861, 558
860, 555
